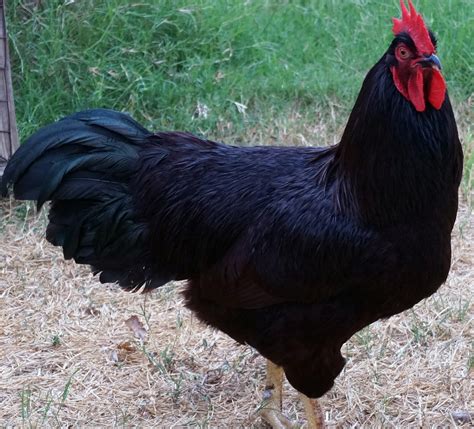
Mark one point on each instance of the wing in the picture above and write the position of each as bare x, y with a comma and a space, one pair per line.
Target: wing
251, 227
312, 253
302, 252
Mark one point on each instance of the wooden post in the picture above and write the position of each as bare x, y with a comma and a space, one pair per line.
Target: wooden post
8, 130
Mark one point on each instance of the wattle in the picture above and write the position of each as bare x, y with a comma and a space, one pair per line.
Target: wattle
422, 85
416, 91
437, 89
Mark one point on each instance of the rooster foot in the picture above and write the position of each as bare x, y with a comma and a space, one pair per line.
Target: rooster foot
272, 396
276, 419
271, 410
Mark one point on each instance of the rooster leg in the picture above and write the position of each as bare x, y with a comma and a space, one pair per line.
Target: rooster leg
272, 396
313, 411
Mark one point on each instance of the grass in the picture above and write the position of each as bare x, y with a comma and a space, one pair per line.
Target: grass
214, 66
248, 72
38, 410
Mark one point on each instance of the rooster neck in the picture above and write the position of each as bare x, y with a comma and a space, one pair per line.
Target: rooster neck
394, 163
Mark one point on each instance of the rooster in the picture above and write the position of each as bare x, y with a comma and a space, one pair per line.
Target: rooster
289, 249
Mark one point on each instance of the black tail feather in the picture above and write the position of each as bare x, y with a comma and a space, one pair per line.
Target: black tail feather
84, 164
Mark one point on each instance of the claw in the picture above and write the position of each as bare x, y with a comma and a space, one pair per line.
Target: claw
272, 396
276, 419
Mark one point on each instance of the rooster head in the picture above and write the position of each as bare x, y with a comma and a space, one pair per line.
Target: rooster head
415, 68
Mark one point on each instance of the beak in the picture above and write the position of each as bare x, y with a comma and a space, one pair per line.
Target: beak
430, 61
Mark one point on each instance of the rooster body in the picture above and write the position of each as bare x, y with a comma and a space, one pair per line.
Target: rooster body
291, 250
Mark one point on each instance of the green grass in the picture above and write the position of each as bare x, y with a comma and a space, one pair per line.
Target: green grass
160, 59
38, 409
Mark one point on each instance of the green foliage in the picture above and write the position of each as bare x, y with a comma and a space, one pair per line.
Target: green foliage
160, 59
56, 340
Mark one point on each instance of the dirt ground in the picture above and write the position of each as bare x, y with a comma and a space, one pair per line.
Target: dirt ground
69, 359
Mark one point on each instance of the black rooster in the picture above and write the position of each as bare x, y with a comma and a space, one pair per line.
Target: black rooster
291, 250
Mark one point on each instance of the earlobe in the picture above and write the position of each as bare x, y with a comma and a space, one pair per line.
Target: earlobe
398, 83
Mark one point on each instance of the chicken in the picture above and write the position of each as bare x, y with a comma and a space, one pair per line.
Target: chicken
289, 249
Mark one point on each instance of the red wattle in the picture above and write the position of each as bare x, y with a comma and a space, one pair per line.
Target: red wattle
437, 89
415, 89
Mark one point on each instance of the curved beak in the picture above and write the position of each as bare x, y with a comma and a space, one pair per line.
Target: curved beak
430, 61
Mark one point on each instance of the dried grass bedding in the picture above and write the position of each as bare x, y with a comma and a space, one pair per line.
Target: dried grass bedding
77, 353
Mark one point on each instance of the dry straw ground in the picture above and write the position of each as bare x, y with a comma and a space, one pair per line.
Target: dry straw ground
68, 359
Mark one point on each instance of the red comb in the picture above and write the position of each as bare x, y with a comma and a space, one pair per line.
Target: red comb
413, 24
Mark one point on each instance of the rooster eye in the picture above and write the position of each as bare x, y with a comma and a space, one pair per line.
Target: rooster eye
403, 53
